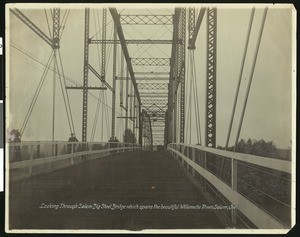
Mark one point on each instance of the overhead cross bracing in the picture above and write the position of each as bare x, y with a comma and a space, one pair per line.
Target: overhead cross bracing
151, 62
147, 19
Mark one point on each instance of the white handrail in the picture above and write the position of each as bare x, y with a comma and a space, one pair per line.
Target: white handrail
253, 212
272, 163
30, 162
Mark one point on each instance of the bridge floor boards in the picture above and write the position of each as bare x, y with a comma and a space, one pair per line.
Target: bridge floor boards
137, 178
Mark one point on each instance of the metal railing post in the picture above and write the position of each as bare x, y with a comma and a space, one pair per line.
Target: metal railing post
31, 160
203, 179
183, 152
72, 151
234, 187
193, 157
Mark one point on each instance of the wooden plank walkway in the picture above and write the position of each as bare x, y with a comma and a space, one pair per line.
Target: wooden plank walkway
135, 180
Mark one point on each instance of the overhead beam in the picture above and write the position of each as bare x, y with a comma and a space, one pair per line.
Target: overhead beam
146, 19
150, 95
150, 61
146, 78
116, 18
134, 41
87, 87
153, 86
32, 26
152, 73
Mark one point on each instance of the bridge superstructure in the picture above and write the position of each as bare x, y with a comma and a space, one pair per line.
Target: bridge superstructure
152, 93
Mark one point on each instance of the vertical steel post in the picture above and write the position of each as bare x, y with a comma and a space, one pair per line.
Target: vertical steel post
210, 140
126, 100
140, 125
113, 119
134, 118
55, 46
85, 74
56, 28
191, 24
182, 76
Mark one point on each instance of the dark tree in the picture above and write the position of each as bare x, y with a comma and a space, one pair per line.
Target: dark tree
128, 136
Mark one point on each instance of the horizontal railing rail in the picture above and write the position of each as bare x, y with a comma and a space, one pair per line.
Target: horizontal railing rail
259, 187
26, 158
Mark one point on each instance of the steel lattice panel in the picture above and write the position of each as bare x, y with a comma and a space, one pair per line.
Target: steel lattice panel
150, 95
134, 41
154, 101
211, 78
150, 61
182, 75
56, 28
146, 19
153, 86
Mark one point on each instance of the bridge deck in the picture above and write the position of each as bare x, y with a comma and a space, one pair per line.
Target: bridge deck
142, 178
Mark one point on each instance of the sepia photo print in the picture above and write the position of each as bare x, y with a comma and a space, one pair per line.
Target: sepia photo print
150, 118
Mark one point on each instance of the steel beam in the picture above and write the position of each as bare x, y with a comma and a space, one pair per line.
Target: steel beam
169, 128
150, 61
101, 78
133, 41
103, 48
152, 73
87, 87
157, 101
146, 19
210, 138
153, 86
148, 95
116, 18
56, 28
146, 78
182, 76
194, 30
31, 25
113, 122
85, 73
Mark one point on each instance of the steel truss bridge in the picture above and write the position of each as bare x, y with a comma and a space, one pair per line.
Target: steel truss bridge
151, 91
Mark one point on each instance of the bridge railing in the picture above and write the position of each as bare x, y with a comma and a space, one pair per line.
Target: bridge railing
27, 158
259, 187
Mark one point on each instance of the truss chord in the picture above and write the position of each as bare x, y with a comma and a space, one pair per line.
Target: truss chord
116, 19
31, 25
135, 41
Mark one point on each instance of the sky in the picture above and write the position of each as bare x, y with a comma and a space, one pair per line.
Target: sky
269, 110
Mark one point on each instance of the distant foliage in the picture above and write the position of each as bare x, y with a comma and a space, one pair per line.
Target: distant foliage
258, 148
128, 136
